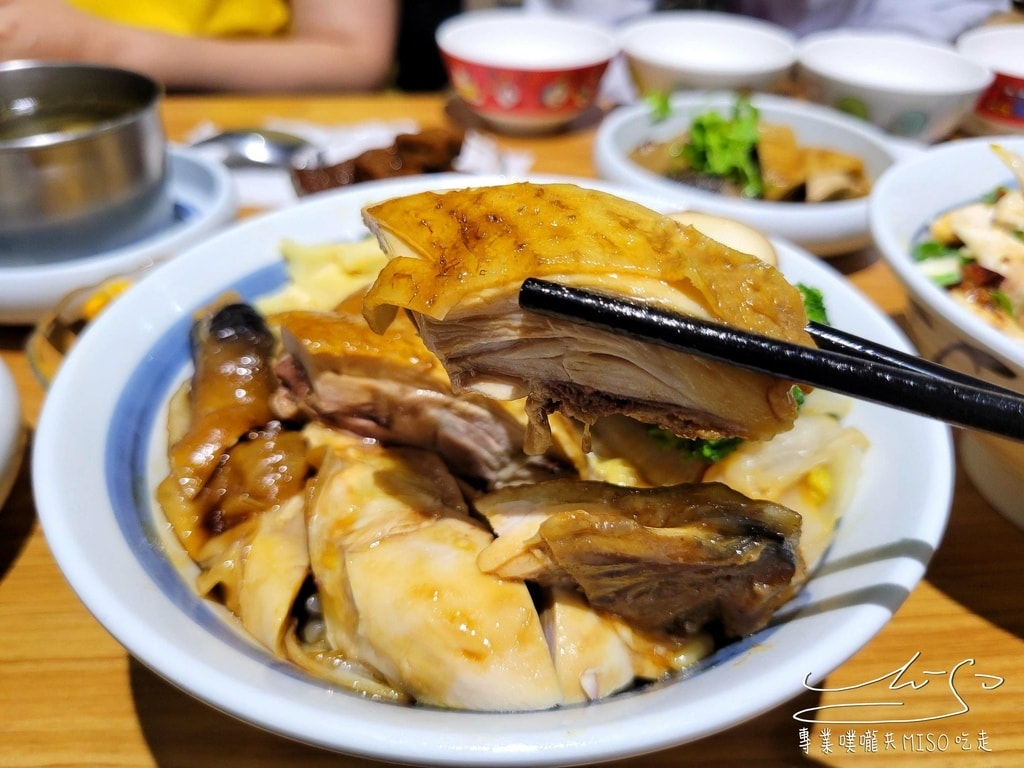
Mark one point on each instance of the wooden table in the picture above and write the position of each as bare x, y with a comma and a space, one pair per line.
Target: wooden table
71, 696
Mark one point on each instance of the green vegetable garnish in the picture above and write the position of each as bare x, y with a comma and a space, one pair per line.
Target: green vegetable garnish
798, 395
814, 304
716, 450
660, 105
930, 249
1002, 301
727, 148
942, 264
695, 448
992, 196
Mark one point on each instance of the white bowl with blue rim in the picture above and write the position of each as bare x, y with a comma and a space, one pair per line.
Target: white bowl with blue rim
95, 497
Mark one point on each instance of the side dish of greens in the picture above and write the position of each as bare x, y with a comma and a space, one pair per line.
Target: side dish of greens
727, 147
739, 154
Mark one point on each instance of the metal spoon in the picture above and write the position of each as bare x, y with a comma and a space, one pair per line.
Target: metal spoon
260, 148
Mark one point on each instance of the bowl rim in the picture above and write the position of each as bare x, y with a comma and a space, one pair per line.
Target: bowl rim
505, 17
782, 54
707, 20
897, 254
818, 43
548, 738
12, 432
978, 36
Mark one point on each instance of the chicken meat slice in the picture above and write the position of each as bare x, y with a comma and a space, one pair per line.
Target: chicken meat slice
994, 247
669, 559
598, 654
258, 568
591, 658
457, 260
393, 552
391, 388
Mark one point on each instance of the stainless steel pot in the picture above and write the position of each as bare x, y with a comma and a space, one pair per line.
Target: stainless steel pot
83, 159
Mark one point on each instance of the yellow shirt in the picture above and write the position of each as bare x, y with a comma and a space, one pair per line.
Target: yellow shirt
199, 18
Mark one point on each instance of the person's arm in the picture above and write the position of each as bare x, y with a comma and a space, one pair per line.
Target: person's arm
333, 45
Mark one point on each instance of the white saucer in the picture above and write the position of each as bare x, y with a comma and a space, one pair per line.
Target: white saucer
12, 432
204, 199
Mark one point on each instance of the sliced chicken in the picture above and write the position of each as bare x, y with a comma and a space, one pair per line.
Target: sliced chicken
597, 653
391, 388
591, 658
394, 553
995, 247
457, 260
258, 569
783, 162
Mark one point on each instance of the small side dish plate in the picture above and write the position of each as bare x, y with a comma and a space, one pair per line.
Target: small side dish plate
104, 417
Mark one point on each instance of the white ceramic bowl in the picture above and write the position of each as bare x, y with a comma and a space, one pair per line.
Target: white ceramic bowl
525, 72
1000, 109
704, 50
34, 282
910, 87
101, 525
905, 200
826, 229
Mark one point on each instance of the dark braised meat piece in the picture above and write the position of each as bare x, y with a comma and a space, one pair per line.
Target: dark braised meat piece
232, 352
229, 458
432, 150
670, 559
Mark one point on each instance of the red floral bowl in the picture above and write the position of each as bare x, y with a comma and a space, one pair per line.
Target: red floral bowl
524, 72
1000, 109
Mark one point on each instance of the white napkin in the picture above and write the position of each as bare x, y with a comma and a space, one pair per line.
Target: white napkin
269, 188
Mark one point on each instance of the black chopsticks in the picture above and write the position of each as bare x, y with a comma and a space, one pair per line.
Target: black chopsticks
842, 363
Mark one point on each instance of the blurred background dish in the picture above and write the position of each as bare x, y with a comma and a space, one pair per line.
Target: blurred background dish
58, 329
825, 228
906, 202
12, 432
1000, 109
83, 158
524, 72
704, 50
259, 147
909, 87
33, 281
